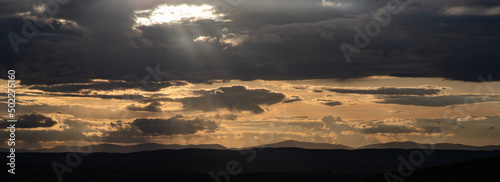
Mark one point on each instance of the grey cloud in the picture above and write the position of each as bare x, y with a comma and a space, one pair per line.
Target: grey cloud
300, 87
105, 86
174, 126
293, 99
116, 124
226, 116
431, 129
33, 120
438, 101
152, 107
332, 103
123, 133
102, 96
74, 132
337, 125
141, 129
382, 128
422, 125
90, 94
463, 128
328, 102
388, 91
331, 122
292, 117
235, 98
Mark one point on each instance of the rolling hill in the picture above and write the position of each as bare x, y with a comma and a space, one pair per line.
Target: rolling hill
439, 146
111, 148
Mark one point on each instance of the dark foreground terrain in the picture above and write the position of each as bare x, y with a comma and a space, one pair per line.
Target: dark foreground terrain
270, 164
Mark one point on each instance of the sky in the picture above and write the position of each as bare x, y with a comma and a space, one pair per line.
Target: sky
244, 73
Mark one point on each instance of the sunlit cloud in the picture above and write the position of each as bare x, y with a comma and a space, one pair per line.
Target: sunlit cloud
333, 3
234, 39
176, 14
226, 39
205, 39
462, 10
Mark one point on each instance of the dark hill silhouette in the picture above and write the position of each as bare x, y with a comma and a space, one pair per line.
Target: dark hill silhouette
472, 170
269, 164
110, 148
306, 145
439, 146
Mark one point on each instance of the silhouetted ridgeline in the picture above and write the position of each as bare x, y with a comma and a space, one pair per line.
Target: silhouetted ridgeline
110, 148
270, 164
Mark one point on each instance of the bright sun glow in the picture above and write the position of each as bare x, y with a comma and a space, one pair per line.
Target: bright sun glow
176, 14
326, 3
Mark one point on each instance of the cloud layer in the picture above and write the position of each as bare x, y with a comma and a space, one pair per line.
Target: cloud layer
174, 126
272, 40
438, 101
33, 120
388, 91
235, 98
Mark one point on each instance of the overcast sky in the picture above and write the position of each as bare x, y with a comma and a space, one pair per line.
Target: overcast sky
351, 72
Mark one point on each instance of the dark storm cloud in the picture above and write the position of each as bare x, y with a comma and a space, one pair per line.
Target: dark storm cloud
235, 98
177, 125
174, 126
388, 91
105, 86
152, 107
101, 96
33, 120
11, 7
438, 101
141, 128
280, 40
